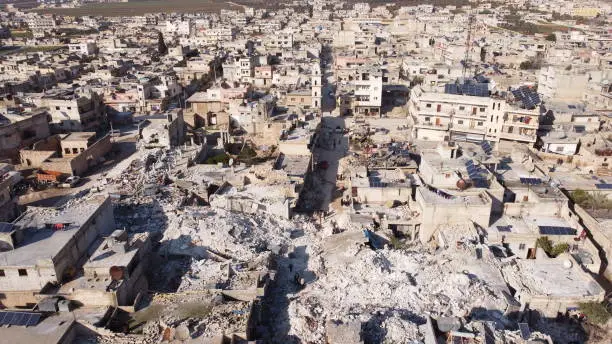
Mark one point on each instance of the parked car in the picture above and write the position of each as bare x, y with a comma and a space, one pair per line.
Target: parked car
70, 182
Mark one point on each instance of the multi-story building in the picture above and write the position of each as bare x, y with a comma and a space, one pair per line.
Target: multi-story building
361, 91
281, 40
442, 117
73, 110
86, 48
561, 83
238, 69
41, 23
315, 84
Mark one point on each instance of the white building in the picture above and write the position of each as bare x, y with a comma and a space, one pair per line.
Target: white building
88, 48
441, 117
238, 69
315, 82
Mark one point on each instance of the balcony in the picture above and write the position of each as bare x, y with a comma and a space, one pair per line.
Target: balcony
430, 125
518, 137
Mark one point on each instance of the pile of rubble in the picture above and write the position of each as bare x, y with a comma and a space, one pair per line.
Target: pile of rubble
394, 286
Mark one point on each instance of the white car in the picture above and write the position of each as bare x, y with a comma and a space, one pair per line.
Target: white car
71, 182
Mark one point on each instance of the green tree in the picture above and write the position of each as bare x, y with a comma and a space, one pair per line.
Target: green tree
162, 49
547, 246
579, 196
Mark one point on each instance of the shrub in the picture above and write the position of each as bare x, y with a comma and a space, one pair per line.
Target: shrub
596, 312
558, 249
547, 246
224, 158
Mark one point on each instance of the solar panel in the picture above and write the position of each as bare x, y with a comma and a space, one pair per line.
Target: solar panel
486, 147
19, 318
8, 319
525, 331
557, 230
527, 96
531, 181
34, 319
504, 228
603, 186
480, 183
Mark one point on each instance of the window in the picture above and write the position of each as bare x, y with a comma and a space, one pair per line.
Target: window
439, 108
22, 272
462, 108
75, 151
460, 121
479, 123
69, 108
559, 149
428, 105
427, 119
57, 108
67, 150
2, 274
482, 109
521, 247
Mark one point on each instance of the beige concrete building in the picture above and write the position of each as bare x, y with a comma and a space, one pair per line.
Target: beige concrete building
71, 154
45, 248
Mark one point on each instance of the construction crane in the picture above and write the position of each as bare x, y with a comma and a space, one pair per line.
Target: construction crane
468, 46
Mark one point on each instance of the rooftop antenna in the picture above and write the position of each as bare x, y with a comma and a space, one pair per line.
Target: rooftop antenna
468, 45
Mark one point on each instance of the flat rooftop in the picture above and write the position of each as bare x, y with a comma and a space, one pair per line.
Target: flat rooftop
528, 224
40, 241
511, 174
550, 277
433, 197
79, 136
293, 165
105, 256
383, 178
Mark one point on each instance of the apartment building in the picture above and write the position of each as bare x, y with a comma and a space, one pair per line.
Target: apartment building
238, 69
316, 84
360, 90
41, 24
442, 117
562, 83
281, 40
85, 48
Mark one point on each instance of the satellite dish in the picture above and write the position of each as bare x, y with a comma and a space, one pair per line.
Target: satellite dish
231, 161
